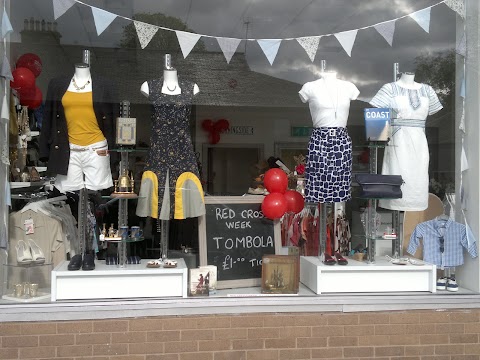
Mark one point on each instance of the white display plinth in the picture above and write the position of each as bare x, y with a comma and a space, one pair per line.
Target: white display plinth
112, 282
360, 277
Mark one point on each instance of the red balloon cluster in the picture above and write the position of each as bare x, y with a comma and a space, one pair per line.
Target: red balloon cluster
28, 68
280, 200
215, 128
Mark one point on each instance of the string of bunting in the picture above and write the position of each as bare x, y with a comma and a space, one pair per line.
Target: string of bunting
310, 44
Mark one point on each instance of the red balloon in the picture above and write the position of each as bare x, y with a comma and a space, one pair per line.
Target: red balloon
274, 206
214, 137
207, 125
23, 79
276, 181
295, 201
34, 100
222, 125
30, 61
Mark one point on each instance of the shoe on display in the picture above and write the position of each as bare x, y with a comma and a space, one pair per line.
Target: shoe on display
340, 259
75, 262
452, 285
329, 260
24, 255
38, 257
442, 283
88, 262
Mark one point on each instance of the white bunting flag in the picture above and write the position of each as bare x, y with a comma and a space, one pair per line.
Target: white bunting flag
6, 70
145, 32
60, 7
458, 6
187, 41
228, 46
270, 48
386, 30
347, 39
6, 24
310, 45
462, 46
422, 18
102, 19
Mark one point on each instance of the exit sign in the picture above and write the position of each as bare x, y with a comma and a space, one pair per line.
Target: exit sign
301, 131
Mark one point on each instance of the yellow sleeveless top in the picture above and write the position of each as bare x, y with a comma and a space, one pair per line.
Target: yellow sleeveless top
82, 123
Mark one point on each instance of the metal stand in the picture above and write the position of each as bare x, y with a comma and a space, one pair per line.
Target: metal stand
322, 231
82, 222
123, 215
164, 229
371, 223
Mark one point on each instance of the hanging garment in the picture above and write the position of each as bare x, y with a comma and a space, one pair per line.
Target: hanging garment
170, 184
407, 151
443, 242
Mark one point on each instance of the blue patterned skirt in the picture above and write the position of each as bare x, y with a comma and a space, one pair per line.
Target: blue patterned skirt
329, 166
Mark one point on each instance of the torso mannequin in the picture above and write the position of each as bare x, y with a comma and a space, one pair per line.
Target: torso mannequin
81, 80
407, 81
170, 84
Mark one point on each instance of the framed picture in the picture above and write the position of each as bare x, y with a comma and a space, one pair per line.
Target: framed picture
198, 283
280, 274
287, 150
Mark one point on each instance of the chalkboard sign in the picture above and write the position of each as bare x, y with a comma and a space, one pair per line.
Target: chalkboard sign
234, 235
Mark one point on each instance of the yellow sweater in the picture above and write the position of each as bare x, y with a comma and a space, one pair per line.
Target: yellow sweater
82, 123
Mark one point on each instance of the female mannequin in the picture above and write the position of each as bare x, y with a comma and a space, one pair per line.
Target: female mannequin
407, 152
170, 84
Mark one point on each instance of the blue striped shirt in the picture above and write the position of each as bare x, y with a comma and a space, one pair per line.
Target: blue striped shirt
455, 240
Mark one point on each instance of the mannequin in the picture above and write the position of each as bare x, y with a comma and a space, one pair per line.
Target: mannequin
329, 159
170, 187
407, 152
82, 79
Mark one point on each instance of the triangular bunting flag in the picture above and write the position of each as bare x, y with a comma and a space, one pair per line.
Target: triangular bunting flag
6, 25
145, 32
310, 45
347, 39
60, 7
270, 48
462, 46
386, 30
6, 70
102, 19
458, 6
187, 41
422, 18
228, 46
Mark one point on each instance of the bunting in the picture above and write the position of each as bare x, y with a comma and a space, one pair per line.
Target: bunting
187, 41
60, 7
102, 19
347, 39
310, 45
6, 25
270, 48
228, 46
6, 70
422, 18
145, 32
386, 30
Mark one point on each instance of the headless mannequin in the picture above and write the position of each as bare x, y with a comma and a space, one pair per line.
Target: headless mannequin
170, 84
81, 78
407, 81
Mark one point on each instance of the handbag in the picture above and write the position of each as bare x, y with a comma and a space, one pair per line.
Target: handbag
380, 186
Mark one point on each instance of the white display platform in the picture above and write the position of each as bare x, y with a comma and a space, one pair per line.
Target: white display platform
112, 282
360, 277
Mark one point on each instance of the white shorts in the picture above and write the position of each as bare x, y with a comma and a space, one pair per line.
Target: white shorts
86, 168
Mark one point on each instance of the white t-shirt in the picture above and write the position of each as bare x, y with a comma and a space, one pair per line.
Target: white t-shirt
329, 101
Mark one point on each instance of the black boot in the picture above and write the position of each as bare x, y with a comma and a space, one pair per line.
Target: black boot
75, 262
88, 262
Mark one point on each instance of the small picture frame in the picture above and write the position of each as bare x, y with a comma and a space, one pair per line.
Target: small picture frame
280, 274
197, 286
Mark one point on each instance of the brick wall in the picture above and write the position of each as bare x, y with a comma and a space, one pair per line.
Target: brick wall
413, 335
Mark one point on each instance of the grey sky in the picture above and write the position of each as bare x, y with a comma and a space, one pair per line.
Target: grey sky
372, 58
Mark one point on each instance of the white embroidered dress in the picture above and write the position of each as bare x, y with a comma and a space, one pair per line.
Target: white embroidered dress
407, 151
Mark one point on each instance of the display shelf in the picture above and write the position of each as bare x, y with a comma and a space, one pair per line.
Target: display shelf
127, 240
112, 282
362, 277
41, 295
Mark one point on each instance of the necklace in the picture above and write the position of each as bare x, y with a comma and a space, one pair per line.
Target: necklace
171, 90
78, 88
